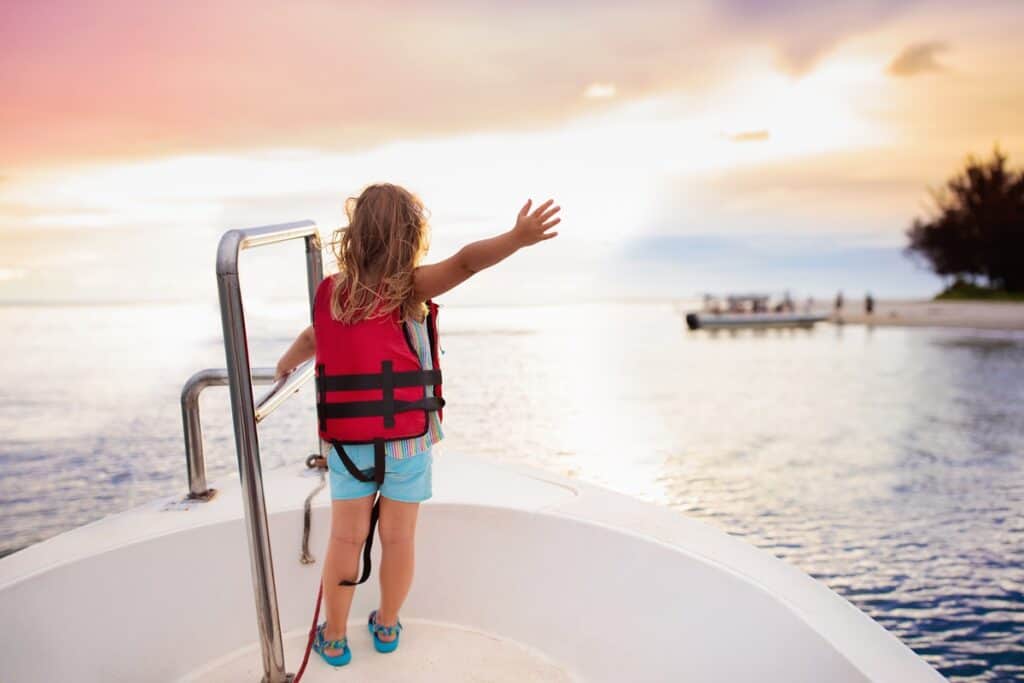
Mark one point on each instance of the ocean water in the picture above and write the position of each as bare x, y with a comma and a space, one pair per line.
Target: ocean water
888, 463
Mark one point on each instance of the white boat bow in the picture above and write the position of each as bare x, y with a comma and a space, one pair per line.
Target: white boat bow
521, 575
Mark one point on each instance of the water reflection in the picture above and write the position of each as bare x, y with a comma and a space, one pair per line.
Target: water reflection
883, 461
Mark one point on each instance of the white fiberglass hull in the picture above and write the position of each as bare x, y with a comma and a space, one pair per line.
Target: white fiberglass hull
520, 576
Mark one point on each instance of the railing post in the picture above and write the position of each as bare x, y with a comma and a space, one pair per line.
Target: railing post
243, 412
195, 461
314, 268
314, 275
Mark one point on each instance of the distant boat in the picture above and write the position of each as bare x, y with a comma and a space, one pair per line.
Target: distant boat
749, 310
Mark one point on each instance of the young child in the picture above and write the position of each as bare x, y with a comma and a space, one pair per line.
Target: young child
374, 335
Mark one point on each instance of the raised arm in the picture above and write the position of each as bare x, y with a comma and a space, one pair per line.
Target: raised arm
530, 228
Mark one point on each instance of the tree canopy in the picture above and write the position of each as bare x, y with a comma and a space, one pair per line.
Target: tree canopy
975, 230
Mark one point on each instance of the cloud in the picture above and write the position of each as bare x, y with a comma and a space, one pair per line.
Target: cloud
801, 32
148, 79
95, 79
600, 90
101, 80
918, 58
750, 136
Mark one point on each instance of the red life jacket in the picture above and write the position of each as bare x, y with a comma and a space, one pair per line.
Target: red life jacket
371, 387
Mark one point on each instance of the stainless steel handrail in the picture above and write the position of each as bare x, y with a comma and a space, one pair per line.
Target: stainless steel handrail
243, 411
283, 389
195, 461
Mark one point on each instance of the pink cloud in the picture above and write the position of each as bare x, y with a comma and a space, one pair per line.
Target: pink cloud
99, 78
113, 79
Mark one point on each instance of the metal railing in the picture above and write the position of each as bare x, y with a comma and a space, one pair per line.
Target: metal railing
195, 459
284, 389
246, 412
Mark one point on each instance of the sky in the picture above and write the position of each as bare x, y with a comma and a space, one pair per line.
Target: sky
697, 146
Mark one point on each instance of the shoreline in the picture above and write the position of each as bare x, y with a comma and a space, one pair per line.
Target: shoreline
985, 315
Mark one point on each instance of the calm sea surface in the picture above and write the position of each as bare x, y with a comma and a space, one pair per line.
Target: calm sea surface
888, 463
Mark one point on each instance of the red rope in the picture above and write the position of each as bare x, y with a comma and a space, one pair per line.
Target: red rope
312, 635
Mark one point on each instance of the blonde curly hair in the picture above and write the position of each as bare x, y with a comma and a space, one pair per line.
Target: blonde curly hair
386, 237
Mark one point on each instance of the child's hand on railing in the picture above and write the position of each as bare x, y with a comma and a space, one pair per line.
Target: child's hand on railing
533, 227
301, 350
281, 372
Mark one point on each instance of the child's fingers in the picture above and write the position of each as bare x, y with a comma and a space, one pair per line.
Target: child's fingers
549, 213
540, 209
551, 224
549, 236
526, 208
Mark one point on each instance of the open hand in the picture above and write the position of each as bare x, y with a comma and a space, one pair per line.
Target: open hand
533, 227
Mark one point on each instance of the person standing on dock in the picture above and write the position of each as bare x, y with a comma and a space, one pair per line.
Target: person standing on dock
869, 304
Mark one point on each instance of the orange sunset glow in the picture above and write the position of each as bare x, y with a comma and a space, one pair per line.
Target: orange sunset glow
129, 125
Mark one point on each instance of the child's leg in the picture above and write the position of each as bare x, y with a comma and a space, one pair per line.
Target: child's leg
350, 523
397, 526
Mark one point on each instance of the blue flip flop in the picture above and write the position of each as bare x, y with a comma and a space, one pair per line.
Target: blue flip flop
320, 644
377, 630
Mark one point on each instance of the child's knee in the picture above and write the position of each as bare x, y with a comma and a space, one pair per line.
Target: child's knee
394, 534
350, 535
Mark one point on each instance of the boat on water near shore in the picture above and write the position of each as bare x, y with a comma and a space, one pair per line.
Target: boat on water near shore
522, 575
750, 310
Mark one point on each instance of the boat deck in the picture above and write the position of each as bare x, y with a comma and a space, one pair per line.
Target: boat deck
430, 651
568, 560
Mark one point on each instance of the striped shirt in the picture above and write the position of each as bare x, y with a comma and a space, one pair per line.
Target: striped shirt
409, 447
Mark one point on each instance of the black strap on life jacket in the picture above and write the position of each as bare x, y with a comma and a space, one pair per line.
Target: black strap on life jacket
376, 475
375, 408
387, 380
414, 378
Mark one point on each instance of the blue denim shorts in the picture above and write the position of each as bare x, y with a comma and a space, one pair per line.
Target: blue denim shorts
406, 480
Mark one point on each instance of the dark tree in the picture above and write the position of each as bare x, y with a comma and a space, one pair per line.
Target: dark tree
976, 229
